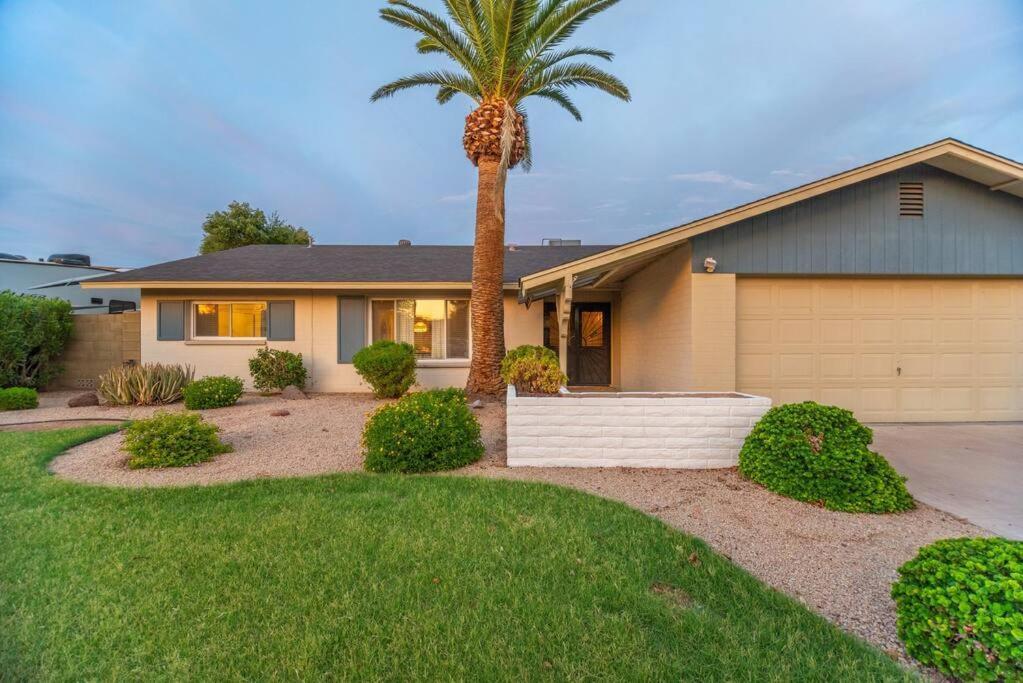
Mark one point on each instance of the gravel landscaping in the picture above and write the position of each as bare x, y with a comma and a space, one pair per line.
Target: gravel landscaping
841, 565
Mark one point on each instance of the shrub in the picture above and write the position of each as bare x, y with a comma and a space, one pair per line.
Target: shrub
144, 385
18, 398
533, 369
217, 391
275, 369
960, 608
817, 453
172, 440
33, 333
423, 432
388, 367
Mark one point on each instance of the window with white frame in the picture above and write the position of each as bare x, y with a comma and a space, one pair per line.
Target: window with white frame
436, 328
235, 319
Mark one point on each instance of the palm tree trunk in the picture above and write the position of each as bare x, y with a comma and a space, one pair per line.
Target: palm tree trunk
486, 304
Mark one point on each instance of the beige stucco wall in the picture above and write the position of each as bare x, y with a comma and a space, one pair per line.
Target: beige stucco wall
713, 332
315, 337
656, 325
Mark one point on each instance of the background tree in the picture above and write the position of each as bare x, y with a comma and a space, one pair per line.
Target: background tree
505, 51
241, 225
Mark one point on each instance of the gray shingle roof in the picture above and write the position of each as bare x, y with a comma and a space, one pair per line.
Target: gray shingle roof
348, 263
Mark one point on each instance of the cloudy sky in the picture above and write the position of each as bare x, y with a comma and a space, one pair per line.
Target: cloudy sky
123, 124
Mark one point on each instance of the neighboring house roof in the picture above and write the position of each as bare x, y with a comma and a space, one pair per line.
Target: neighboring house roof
954, 156
51, 264
341, 264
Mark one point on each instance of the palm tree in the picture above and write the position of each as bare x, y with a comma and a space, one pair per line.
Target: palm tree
505, 51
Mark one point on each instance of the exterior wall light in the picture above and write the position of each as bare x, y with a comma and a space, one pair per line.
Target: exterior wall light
710, 264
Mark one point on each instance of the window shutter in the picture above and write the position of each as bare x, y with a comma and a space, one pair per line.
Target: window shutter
351, 326
281, 321
170, 320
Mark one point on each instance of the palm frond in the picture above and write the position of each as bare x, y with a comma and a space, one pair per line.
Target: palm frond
444, 79
562, 22
559, 97
468, 15
576, 75
443, 37
527, 152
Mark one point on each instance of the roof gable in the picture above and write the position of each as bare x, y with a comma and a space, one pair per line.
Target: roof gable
954, 156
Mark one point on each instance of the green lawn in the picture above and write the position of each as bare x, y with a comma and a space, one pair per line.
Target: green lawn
377, 577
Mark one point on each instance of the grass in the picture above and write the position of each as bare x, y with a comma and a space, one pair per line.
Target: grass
374, 577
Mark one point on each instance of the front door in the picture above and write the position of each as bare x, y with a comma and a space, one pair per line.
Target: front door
589, 344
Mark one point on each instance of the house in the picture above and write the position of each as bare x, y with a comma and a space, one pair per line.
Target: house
894, 289
61, 279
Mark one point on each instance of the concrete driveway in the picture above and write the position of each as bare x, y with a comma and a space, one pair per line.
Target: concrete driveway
973, 471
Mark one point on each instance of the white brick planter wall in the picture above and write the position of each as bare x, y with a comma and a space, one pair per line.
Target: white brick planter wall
674, 430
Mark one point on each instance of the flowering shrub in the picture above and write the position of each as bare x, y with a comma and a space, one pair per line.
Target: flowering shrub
533, 369
423, 432
275, 369
960, 608
218, 391
172, 440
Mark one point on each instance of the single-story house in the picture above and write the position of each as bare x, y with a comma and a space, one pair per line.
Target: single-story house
894, 289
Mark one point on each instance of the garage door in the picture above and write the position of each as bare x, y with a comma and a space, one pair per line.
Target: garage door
906, 350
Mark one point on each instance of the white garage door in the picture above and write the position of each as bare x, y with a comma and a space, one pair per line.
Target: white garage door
890, 350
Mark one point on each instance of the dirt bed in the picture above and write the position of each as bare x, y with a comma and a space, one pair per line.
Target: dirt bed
841, 565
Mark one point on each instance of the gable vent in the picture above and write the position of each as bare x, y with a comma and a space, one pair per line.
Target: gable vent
911, 200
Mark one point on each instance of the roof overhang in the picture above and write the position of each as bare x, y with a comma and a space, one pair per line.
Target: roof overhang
998, 173
191, 284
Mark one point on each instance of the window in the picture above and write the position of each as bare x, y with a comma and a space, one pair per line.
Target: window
244, 320
437, 329
551, 338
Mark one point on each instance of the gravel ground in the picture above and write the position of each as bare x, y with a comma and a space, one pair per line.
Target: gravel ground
841, 565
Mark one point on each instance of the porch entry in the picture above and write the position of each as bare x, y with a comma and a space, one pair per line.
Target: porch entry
589, 344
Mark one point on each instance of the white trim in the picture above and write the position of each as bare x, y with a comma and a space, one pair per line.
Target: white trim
230, 322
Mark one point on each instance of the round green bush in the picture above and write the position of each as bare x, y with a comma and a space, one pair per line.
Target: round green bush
389, 368
533, 369
18, 398
217, 391
172, 440
275, 369
820, 454
960, 608
423, 432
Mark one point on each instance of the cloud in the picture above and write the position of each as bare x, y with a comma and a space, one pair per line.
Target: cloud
695, 199
455, 198
788, 173
618, 204
714, 177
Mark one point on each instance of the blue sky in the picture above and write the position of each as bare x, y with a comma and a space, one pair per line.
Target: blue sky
123, 124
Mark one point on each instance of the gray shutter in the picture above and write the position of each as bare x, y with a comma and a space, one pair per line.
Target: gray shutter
170, 320
351, 326
280, 324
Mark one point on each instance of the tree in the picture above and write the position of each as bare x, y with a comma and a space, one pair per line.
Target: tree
242, 225
33, 333
505, 51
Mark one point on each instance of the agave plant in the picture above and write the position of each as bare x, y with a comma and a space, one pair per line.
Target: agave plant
503, 52
144, 385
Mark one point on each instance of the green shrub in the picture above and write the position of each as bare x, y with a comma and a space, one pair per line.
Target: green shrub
172, 440
18, 398
423, 432
820, 454
217, 391
960, 608
533, 369
275, 369
144, 385
388, 367
33, 333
